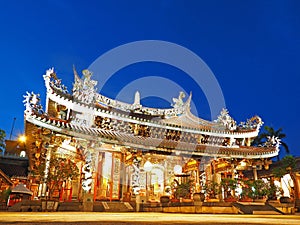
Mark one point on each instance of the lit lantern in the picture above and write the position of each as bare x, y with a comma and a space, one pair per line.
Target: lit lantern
178, 169
148, 166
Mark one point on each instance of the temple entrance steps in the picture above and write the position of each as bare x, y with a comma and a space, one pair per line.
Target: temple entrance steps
256, 208
113, 207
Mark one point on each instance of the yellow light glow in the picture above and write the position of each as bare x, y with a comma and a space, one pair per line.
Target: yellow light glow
22, 138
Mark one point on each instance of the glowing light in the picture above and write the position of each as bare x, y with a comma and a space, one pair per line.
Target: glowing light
177, 169
148, 166
22, 154
22, 138
243, 163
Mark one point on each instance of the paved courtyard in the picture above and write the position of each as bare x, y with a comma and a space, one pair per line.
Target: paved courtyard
86, 218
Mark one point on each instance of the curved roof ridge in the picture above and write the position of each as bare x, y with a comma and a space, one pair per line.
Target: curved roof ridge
197, 119
189, 120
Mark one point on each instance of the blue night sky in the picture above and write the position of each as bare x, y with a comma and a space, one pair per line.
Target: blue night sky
252, 48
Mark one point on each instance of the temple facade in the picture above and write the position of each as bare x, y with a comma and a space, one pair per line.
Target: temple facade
123, 150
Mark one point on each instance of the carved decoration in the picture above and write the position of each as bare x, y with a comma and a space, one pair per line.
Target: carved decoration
272, 142
173, 135
178, 102
32, 103
140, 130
179, 106
84, 89
135, 177
103, 123
51, 80
226, 120
89, 161
62, 111
252, 123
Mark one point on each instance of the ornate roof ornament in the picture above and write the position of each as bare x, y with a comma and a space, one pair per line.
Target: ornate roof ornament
137, 101
52, 81
226, 120
84, 89
272, 142
178, 102
253, 123
179, 106
32, 103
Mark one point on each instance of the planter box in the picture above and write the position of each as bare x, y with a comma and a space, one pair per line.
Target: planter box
49, 205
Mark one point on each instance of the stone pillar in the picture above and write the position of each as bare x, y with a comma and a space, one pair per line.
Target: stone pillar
47, 167
254, 173
88, 202
138, 202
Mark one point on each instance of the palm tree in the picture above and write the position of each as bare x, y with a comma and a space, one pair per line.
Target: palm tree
2, 140
271, 132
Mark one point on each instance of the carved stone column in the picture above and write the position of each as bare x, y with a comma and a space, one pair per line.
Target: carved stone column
48, 148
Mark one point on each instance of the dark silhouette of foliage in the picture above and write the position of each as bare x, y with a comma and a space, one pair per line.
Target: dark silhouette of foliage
2, 140
288, 164
271, 132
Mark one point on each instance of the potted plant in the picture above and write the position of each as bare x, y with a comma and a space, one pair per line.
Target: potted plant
229, 185
60, 170
183, 190
212, 189
247, 194
257, 190
272, 192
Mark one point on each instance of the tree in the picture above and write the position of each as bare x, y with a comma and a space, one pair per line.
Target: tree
212, 189
271, 132
60, 171
229, 185
182, 190
255, 189
2, 140
287, 166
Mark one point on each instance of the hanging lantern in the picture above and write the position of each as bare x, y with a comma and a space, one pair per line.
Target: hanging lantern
178, 169
148, 166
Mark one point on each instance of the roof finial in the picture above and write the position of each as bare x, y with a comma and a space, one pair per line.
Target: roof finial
178, 102
137, 98
188, 102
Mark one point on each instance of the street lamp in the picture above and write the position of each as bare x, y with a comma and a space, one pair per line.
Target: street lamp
22, 139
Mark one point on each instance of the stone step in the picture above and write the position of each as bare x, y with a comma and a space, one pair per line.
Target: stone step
117, 207
256, 208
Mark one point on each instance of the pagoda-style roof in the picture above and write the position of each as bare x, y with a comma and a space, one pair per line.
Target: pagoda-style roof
85, 98
98, 118
149, 143
21, 189
14, 166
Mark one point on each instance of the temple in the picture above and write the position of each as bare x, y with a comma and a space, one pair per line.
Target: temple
123, 150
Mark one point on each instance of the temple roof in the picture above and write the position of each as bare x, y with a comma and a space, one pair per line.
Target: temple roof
14, 167
96, 117
85, 95
150, 143
5, 178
